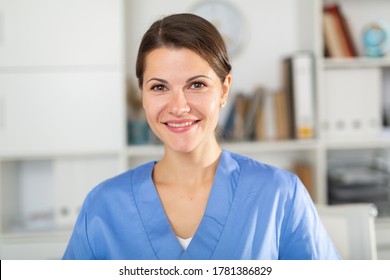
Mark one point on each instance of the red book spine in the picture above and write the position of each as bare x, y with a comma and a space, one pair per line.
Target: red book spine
347, 42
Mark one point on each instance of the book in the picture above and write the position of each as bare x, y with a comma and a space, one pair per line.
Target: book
273, 117
251, 118
228, 126
283, 129
287, 91
234, 128
332, 40
337, 28
265, 119
305, 173
241, 103
299, 87
261, 125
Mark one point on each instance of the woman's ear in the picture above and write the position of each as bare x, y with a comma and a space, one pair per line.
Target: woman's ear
225, 90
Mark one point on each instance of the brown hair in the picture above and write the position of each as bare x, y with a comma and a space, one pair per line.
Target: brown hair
185, 31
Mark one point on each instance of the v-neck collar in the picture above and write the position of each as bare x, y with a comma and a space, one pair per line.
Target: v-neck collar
157, 227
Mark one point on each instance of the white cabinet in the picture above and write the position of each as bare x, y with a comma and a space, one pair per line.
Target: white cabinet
61, 112
352, 104
61, 76
45, 194
74, 177
60, 33
62, 116
382, 236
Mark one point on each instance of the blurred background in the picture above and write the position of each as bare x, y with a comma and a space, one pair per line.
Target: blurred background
310, 93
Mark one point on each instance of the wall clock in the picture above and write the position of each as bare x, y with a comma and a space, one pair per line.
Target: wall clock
227, 19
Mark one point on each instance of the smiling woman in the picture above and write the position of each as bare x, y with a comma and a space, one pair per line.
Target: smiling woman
182, 94
224, 205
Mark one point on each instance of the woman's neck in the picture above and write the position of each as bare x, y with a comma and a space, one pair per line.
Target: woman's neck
184, 182
188, 169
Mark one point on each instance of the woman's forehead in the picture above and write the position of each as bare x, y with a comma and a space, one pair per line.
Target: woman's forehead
170, 62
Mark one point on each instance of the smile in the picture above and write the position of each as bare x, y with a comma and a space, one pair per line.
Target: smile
185, 124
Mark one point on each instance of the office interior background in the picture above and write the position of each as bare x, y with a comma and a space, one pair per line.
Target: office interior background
70, 113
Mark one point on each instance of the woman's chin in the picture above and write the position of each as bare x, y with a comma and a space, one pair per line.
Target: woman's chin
181, 148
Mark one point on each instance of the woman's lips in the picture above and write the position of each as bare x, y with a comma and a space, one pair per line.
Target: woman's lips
180, 125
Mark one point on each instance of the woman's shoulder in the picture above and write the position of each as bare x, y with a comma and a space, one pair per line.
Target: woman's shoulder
121, 183
257, 174
257, 168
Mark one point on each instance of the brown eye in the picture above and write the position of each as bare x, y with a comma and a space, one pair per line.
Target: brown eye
197, 85
158, 88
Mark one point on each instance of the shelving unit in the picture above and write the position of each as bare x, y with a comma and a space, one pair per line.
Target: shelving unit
359, 71
62, 117
88, 152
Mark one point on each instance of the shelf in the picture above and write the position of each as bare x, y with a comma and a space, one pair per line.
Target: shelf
381, 143
37, 235
385, 221
37, 155
39, 246
359, 62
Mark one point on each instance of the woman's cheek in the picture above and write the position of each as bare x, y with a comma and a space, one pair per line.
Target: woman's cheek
151, 104
211, 105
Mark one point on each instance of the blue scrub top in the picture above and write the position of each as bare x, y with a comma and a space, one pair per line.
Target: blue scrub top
255, 211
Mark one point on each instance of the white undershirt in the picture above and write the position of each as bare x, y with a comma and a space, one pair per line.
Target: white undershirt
184, 242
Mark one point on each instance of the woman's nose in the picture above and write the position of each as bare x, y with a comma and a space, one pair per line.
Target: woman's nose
178, 104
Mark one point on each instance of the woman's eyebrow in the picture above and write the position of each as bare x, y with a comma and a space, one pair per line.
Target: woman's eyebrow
197, 77
187, 81
158, 80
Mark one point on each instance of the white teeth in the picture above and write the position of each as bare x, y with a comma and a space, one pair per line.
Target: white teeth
180, 124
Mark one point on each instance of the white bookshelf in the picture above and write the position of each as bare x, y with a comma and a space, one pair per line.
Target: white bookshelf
359, 71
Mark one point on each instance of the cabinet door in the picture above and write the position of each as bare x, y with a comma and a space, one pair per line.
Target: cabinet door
382, 231
73, 179
57, 32
352, 107
61, 112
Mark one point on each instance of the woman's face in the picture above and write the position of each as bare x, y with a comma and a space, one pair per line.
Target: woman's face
182, 96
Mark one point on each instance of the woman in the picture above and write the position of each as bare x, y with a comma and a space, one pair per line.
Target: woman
199, 201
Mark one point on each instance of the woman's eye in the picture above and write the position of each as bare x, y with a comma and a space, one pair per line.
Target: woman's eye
159, 88
198, 85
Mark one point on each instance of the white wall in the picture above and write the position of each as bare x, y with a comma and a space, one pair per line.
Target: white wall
272, 34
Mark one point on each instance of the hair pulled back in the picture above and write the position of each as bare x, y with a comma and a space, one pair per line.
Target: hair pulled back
185, 31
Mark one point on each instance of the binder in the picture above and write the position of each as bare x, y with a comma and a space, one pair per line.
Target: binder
300, 91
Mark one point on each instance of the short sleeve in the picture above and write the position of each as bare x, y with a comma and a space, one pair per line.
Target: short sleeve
303, 234
79, 246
